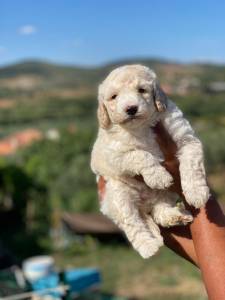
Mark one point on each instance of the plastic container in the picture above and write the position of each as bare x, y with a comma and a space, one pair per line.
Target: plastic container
37, 267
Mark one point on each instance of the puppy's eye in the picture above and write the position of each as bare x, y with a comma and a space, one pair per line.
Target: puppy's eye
114, 96
142, 91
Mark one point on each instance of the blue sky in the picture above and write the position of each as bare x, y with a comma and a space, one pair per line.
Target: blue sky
92, 32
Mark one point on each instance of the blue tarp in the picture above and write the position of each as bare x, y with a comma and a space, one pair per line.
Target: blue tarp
81, 279
78, 280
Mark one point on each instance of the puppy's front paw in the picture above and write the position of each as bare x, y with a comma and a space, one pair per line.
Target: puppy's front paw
160, 179
197, 196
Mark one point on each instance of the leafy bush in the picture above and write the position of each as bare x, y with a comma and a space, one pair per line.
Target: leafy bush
63, 167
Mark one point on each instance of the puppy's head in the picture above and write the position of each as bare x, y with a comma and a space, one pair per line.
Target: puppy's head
129, 96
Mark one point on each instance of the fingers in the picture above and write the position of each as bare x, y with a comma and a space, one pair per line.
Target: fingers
101, 187
169, 149
166, 144
172, 166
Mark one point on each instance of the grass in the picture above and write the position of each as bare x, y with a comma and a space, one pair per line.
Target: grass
125, 273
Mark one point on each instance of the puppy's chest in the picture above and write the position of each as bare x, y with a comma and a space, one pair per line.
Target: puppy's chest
144, 141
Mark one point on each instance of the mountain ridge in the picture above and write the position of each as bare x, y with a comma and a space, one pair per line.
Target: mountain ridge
55, 75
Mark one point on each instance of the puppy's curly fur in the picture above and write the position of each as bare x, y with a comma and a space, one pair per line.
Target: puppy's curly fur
131, 102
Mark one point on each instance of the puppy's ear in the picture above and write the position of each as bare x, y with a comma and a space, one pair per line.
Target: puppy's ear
160, 98
103, 116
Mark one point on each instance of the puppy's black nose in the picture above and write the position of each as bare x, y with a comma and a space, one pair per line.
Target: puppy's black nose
131, 110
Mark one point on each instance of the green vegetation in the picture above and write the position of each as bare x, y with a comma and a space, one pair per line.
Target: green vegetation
166, 276
63, 167
41, 181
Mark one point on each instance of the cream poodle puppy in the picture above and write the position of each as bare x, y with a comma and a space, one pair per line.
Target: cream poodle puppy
131, 102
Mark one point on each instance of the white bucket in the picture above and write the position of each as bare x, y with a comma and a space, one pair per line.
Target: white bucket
37, 267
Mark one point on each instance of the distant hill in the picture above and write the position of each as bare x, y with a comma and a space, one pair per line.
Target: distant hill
42, 75
49, 75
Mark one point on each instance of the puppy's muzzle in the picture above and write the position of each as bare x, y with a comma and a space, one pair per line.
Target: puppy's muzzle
131, 110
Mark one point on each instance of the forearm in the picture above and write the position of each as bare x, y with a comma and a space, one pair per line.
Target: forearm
179, 240
208, 233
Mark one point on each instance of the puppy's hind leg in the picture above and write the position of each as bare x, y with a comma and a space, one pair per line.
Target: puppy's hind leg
150, 223
120, 204
166, 213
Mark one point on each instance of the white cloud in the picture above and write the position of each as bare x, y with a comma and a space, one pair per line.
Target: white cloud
27, 30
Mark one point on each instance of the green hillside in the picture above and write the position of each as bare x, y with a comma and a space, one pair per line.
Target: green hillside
74, 76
